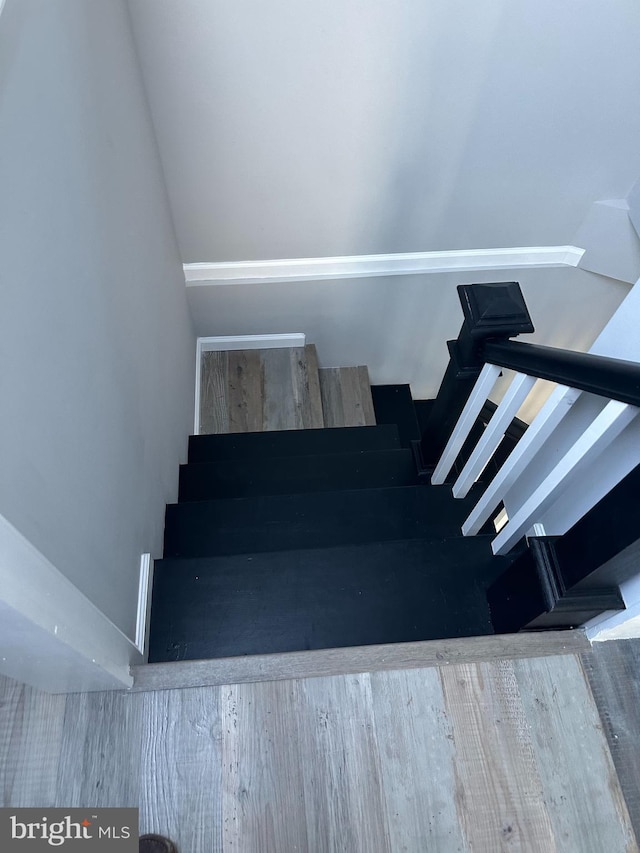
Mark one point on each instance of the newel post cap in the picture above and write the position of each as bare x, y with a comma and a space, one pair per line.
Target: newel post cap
495, 310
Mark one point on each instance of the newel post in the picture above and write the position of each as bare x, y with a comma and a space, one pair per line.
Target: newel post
491, 311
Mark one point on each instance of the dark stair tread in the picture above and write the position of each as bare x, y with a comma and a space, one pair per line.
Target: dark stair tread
315, 519
301, 442
384, 592
393, 404
274, 475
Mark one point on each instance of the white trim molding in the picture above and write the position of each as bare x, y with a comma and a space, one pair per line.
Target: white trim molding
51, 635
368, 266
145, 584
225, 343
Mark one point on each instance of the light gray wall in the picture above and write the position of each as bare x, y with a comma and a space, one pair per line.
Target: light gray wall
399, 326
611, 243
293, 129
96, 341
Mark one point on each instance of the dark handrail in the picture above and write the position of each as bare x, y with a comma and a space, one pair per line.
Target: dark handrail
597, 374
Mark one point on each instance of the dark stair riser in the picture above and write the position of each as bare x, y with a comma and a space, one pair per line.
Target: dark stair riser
288, 475
310, 599
252, 445
393, 404
321, 519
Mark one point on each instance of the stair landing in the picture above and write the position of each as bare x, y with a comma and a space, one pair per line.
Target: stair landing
260, 390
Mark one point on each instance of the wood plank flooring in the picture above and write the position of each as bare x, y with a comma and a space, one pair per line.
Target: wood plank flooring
260, 390
481, 757
346, 397
613, 670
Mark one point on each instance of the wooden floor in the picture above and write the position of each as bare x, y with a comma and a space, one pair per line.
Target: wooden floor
260, 390
346, 397
483, 757
278, 389
613, 670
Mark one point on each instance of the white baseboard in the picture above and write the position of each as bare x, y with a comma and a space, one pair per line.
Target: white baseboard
224, 343
368, 266
144, 603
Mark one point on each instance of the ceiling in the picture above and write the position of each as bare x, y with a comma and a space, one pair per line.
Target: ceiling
309, 129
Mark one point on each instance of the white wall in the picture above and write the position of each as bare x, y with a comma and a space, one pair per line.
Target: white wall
96, 342
295, 129
399, 326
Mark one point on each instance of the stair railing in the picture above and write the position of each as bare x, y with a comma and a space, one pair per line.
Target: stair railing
494, 313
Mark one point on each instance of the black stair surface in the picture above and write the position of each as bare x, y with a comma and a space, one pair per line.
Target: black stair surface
299, 442
273, 475
313, 520
383, 592
393, 404
308, 539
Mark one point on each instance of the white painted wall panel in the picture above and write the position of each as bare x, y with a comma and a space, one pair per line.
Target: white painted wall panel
96, 342
610, 240
399, 326
298, 129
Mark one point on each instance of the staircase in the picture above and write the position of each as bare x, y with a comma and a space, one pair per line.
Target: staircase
303, 524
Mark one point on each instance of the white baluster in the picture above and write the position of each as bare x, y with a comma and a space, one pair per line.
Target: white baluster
548, 418
515, 396
604, 429
477, 398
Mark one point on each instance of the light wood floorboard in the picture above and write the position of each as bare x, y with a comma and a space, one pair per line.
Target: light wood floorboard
613, 670
417, 761
214, 393
342, 779
346, 397
306, 386
263, 800
260, 390
477, 757
99, 762
498, 795
322, 662
573, 757
181, 771
246, 388
31, 743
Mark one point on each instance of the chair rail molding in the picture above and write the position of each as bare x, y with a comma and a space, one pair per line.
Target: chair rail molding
370, 266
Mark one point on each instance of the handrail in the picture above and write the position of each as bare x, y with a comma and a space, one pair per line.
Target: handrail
608, 377
536, 495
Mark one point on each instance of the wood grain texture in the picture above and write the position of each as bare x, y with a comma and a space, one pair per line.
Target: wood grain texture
346, 397
498, 794
474, 757
342, 776
246, 391
573, 758
280, 409
312, 414
263, 800
365, 396
99, 762
214, 393
613, 670
181, 768
351, 393
331, 394
31, 740
412, 757
323, 662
